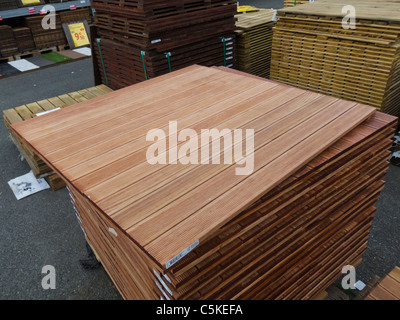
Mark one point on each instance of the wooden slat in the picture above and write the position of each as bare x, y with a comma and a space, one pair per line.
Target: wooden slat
24, 112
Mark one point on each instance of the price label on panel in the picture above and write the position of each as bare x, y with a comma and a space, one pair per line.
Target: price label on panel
31, 10
27, 2
73, 7
79, 35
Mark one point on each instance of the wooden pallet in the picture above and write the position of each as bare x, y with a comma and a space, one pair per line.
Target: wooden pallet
254, 42
203, 232
311, 50
29, 111
387, 288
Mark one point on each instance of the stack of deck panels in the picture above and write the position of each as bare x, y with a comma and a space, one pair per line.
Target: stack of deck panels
124, 65
8, 45
8, 5
283, 230
292, 3
254, 42
24, 39
46, 38
312, 50
69, 16
160, 36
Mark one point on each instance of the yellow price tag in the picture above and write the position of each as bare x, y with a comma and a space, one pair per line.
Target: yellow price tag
246, 9
26, 2
79, 35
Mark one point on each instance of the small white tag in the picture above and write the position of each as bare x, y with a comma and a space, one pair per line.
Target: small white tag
162, 291
274, 18
113, 231
46, 112
162, 282
181, 255
155, 41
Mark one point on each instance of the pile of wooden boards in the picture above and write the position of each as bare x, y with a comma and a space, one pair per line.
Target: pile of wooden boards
283, 230
8, 5
69, 16
123, 65
312, 50
254, 42
160, 36
292, 3
8, 45
30, 110
24, 39
46, 38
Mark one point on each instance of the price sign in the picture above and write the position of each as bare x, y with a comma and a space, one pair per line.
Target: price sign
79, 35
27, 2
31, 10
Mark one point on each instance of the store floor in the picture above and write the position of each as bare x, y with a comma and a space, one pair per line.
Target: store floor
43, 229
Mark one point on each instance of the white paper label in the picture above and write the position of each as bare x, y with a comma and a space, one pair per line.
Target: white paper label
155, 41
274, 18
181, 255
162, 291
162, 282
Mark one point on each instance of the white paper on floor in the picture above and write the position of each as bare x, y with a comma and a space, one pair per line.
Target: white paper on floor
27, 185
85, 50
23, 65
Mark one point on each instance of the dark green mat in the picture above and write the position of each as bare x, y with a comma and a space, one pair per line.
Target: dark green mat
55, 57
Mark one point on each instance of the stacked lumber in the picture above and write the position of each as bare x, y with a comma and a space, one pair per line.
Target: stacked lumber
24, 39
202, 232
30, 110
197, 231
8, 5
292, 3
312, 50
69, 16
254, 42
8, 45
160, 35
46, 38
387, 288
124, 65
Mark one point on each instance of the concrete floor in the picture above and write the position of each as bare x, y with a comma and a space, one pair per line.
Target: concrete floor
42, 229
